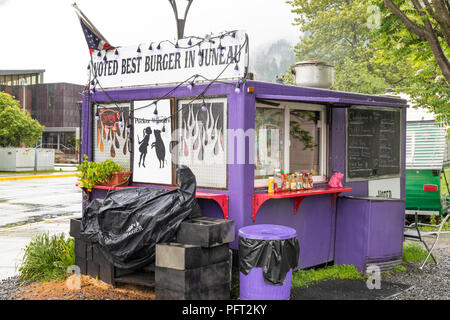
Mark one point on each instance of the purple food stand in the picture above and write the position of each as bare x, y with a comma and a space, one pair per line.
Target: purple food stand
314, 220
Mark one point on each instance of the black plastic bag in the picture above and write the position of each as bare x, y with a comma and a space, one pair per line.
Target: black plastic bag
129, 222
275, 257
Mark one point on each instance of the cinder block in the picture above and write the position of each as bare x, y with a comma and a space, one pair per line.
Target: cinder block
218, 292
193, 279
93, 269
75, 227
106, 269
80, 248
89, 252
218, 253
82, 264
119, 272
179, 256
187, 256
206, 232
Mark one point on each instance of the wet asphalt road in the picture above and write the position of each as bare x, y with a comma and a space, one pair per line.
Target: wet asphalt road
30, 207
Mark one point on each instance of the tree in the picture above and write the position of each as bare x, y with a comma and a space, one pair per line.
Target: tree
16, 127
418, 34
336, 31
373, 50
429, 20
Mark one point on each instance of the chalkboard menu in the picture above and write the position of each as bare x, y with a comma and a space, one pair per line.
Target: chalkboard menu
373, 142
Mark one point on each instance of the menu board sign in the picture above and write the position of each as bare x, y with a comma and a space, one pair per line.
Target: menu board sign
373, 142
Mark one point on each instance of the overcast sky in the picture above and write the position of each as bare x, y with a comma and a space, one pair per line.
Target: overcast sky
46, 34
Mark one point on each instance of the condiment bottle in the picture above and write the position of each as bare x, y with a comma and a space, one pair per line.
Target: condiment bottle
284, 186
270, 184
293, 183
305, 181
299, 181
277, 180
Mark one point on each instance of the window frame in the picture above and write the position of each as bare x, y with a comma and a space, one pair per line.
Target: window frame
286, 106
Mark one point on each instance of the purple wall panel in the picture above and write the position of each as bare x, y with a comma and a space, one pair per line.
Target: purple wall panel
351, 226
386, 225
368, 230
314, 223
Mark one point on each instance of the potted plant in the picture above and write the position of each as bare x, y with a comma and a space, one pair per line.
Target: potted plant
106, 173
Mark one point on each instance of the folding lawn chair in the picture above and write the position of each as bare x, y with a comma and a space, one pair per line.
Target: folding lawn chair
413, 232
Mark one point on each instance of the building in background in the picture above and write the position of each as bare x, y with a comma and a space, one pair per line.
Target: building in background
54, 105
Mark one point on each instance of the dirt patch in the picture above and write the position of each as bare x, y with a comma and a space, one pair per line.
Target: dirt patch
91, 289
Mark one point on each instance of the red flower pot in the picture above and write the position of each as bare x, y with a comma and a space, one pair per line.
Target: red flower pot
117, 179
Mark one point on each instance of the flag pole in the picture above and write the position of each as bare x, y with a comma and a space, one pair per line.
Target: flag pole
80, 13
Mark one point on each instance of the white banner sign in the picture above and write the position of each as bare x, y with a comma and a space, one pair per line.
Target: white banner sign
226, 58
152, 158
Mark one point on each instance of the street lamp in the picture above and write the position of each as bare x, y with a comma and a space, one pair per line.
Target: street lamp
23, 83
177, 6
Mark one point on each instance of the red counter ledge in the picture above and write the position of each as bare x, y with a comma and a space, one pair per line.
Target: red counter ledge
260, 198
221, 199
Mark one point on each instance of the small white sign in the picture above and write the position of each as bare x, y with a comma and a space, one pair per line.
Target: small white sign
226, 58
152, 160
385, 188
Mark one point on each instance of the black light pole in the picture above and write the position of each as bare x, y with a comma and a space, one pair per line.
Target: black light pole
180, 22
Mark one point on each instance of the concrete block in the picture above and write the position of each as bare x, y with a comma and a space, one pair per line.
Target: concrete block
186, 256
89, 252
82, 264
119, 272
217, 292
93, 269
193, 279
80, 248
75, 227
179, 256
106, 269
206, 232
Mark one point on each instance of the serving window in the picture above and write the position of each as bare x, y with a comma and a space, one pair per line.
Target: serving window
202, 140
291, 137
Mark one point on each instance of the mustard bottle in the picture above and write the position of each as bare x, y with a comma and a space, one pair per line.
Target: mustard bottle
270, 183
293, 183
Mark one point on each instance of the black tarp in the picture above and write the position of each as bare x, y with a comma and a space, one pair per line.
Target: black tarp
275, 257
129, 222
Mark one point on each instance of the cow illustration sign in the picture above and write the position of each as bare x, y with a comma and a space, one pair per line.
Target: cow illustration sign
152, 160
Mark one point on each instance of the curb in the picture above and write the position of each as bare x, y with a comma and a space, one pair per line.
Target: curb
40, 222
38, 177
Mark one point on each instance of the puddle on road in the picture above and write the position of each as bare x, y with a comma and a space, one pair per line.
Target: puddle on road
36, 207
34, 219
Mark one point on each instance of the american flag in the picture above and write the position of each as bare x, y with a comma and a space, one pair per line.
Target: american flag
94, 38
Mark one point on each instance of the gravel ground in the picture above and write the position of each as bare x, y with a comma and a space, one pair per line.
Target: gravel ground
8, 287
431, 283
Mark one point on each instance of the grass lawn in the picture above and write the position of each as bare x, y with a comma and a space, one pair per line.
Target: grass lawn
412, 252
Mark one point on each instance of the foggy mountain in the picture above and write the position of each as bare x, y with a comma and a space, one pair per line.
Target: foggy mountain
270, 60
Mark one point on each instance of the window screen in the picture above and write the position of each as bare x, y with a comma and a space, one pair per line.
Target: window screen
269, 149
111, 141
203, 141
304, 132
